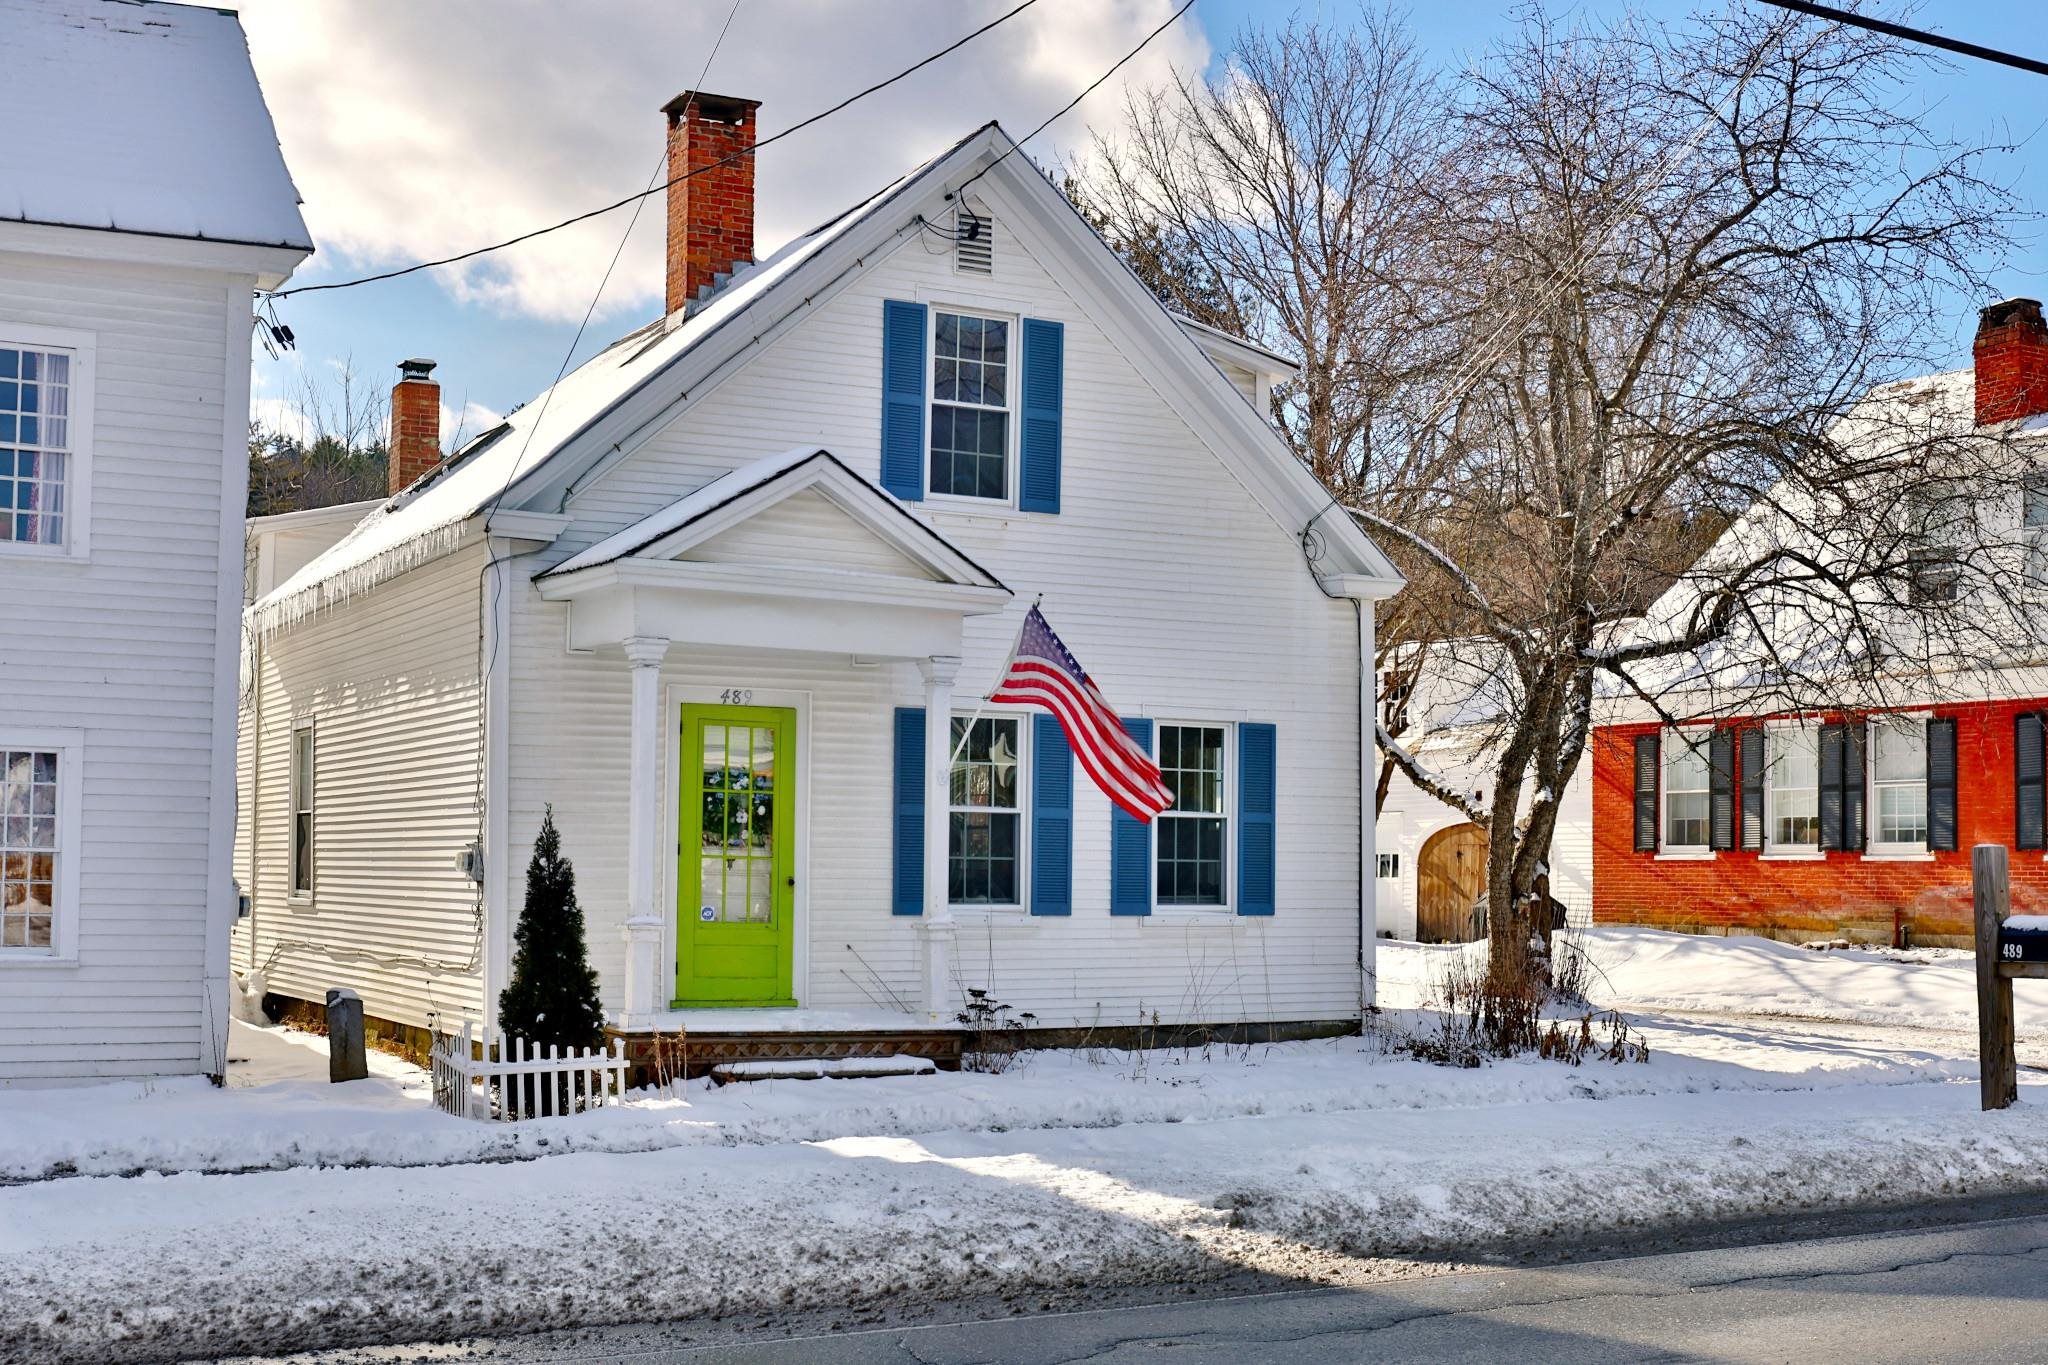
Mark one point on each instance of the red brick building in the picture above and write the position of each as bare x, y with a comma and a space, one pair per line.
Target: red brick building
1842, 823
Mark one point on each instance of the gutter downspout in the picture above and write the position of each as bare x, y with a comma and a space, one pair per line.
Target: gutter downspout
1368, 819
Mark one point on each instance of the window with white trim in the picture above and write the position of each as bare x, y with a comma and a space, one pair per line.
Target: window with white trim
1686, 796
968, 455
1194, 832
1898, 786
302, 812
2034, 526
985, 849
38, 502
1389, 865
1792, 787
34, 847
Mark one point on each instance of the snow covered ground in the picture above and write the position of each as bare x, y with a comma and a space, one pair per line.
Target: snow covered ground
361, 1213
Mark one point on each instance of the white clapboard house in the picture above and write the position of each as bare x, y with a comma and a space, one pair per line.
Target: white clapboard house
726, 599
142, 201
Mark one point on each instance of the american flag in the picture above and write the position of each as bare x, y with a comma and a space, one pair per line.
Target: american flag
1043, 673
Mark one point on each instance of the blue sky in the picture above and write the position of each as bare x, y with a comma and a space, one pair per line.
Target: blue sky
541, 118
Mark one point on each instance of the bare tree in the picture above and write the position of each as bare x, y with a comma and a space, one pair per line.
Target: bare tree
1674, 259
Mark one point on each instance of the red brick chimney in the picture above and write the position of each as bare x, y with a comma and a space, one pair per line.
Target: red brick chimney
2011, 354
415, 424
711, 214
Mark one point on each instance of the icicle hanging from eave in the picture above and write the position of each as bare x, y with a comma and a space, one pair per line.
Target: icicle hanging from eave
272, 615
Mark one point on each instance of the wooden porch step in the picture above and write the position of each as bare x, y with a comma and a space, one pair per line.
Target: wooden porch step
841, 1068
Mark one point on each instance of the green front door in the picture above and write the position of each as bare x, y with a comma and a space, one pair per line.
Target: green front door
736, 876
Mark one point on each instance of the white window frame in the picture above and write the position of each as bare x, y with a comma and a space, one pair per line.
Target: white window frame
1666, 747
69, 746
2033, 539
1771, 847
1872, 816
295, 793
1228, 781
1387, 867
83, 348
1013, 382
1023, 810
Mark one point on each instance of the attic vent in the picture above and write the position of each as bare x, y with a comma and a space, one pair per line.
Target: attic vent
974, 249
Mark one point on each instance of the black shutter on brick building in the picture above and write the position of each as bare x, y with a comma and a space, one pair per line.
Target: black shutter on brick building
1751, 773
1721, 788
1646, 793
2031, 800
1941, 783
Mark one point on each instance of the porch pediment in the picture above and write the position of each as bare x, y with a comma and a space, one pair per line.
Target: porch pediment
774, 554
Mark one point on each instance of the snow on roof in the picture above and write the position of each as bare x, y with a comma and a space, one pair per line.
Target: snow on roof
427, 519
140, 117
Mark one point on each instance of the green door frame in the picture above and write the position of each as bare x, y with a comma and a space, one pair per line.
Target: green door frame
723, 961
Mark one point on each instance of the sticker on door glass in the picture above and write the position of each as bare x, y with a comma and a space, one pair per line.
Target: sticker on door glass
708, 914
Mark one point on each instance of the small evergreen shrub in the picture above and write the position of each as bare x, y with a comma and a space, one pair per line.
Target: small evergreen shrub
552, 999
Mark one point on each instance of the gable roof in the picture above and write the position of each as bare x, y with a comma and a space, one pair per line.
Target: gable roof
143, 117
570, 433
741, 493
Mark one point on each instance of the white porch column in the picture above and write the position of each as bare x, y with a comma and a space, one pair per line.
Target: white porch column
937, 926
643, 818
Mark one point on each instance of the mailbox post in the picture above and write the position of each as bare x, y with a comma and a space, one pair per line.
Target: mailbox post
2005, 949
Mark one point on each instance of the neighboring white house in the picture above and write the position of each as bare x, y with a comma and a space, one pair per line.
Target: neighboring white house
725, 598
142, 200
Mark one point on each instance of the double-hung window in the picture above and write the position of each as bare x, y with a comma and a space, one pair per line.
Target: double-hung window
1792, 775
2034, 526
1898, 786
41, 474
39, 836
302, 813
1194, 832
1686, 792
984, 858
972, 388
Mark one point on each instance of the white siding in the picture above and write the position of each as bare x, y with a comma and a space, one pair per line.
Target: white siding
1180, 594
122, 648
389, 685
804, 528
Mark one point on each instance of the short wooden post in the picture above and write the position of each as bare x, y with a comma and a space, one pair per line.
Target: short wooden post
1998, 1076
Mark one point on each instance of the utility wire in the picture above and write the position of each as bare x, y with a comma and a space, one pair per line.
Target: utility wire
1914, 35
657, 189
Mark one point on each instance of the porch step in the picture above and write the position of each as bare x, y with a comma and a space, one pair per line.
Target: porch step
841, 1068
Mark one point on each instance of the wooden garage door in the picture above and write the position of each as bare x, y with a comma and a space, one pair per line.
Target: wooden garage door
1449, 876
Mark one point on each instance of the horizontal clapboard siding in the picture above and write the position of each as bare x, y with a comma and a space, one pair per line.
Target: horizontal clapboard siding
1211, 616
122, 648
389, 683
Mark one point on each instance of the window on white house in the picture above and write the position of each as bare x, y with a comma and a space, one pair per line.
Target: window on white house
35, 446
31, 841
1686, 773
970, 440
1194, 832
1390, 865
302, 811
1792, 780
2034, 525
984, 852
1898, 784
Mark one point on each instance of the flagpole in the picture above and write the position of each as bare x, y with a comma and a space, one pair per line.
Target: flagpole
982, 705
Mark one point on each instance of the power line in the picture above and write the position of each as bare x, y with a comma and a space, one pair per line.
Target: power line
657, 189
1913, 35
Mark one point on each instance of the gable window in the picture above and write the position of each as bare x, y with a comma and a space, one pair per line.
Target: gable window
1792, 770
983, 857
1194, 832
38, 501
302, 813
969, 454
1687, 774
1898, 785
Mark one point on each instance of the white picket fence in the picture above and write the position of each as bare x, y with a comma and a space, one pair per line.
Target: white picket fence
512, 1079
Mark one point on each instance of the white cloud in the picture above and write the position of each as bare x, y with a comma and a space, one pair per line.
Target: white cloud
416, 131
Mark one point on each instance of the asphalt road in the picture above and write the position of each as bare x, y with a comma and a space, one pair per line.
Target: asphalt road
1942, 1282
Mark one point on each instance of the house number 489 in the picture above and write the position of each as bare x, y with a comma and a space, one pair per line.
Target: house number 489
737, 696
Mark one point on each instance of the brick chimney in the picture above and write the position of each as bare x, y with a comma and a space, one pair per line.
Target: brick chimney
710, 215
2011, 354
415, 424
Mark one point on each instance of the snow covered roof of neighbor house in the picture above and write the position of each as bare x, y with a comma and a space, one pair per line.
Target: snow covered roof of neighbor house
634, 384
139, 116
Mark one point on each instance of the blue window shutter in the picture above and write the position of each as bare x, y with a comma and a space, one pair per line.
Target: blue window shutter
1052, 818
903, 329
1038, 487
908, 898
1257, 795
1130, 845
